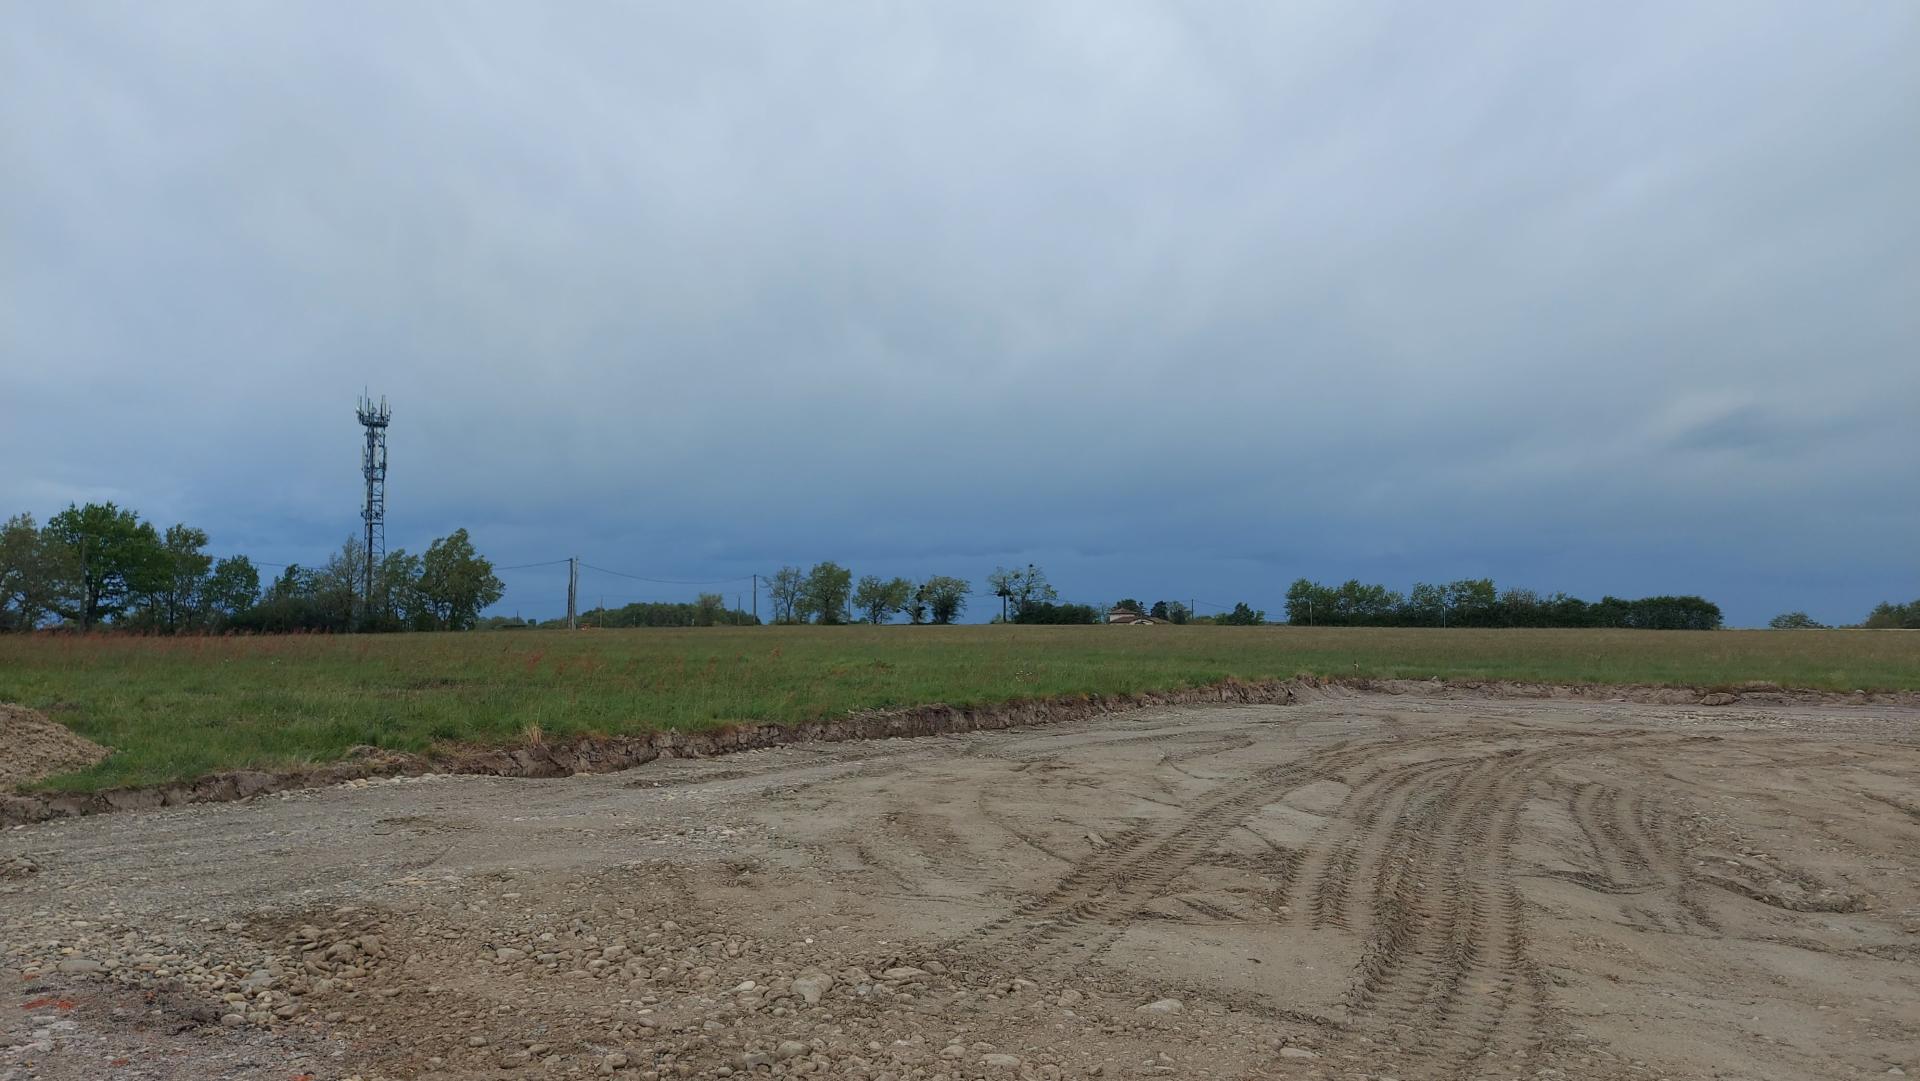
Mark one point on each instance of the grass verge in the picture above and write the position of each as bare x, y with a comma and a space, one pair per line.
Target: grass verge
174, 709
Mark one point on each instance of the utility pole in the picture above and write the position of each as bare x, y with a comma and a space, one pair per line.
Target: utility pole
756, 598
573, 589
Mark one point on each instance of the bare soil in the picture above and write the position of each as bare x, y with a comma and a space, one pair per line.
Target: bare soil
36, 747
1425, 884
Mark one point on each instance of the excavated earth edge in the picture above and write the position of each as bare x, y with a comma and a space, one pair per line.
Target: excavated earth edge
607, 754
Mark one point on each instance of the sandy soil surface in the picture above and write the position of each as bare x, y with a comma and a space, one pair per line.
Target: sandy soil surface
1370, 886
36, 747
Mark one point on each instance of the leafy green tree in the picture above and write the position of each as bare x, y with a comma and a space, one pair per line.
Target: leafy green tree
114, 557
397, 603
824, 594
1019, 588
1795, 621
173, 604
1310, 604
232, 588
31, 574
708, 608
456, 582
1472, 602
294, 581
1170, 611
1241, 616
337, 585
296, 601
1131, 605
946, 597
661, 614
1426, 605
878, 600
1047, 612
787, 590
1887, 615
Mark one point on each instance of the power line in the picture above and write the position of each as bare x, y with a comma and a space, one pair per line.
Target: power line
255, 562
527, 566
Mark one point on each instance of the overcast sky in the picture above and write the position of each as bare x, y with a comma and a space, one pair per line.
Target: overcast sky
1180, 301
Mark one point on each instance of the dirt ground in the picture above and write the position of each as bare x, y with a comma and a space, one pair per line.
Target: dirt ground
37, 747
1367, 886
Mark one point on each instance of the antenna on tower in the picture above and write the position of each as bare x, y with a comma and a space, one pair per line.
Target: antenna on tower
373, 466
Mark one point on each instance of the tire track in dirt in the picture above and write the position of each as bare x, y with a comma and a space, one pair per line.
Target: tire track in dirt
1590, 809
1054, 744
1332, 866
1445, 961
1445, 972
1092, 904
1640, 851
1643, 856
1221, 744
1910, 810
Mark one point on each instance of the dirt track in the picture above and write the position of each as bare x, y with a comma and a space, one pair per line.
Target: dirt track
1375, 886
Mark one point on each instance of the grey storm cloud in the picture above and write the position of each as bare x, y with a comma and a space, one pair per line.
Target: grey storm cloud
1176, 300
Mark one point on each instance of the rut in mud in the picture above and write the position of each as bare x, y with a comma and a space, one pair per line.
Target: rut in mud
1373, 885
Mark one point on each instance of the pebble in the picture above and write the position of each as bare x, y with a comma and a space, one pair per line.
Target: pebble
812, 986
1001, 1062
1165, 1005
1297, 1052
80, 964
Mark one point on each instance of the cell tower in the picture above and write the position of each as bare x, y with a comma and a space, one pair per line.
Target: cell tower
373, 466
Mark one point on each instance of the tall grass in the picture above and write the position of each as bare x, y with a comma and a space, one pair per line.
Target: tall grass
174, 708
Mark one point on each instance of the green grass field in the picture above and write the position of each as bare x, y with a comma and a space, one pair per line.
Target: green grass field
178, 708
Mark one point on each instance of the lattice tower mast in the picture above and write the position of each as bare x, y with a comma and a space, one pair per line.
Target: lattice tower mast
373, 466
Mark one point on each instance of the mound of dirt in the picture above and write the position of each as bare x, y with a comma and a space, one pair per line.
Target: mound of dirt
37, 747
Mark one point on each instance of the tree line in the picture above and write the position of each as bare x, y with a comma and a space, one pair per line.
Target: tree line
710, 610
1886, 615
827, 593
103, 566
1474, 602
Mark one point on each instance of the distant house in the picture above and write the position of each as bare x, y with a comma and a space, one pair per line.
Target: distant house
1130, 617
